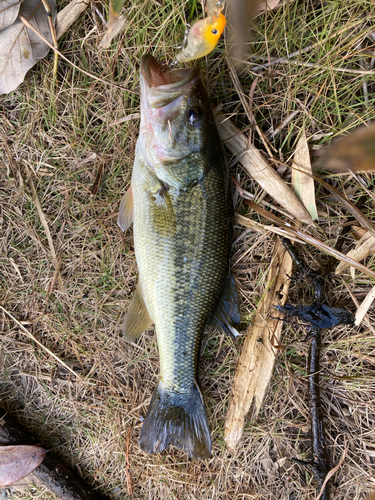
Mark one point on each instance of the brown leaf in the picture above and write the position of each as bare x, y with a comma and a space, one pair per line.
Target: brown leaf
354, 152
8, 12
20, 47
17, 461
127, 118
357, 232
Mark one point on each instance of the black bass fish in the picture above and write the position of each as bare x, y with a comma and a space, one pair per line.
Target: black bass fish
181, 208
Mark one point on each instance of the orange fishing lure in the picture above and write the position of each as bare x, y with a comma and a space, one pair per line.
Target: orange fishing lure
203, 35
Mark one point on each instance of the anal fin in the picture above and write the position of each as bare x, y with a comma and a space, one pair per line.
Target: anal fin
226, 316
137, 319
126, 211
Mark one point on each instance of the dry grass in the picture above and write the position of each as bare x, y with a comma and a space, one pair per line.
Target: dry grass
59, 136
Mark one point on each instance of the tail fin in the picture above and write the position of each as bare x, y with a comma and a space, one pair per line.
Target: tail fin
177, 419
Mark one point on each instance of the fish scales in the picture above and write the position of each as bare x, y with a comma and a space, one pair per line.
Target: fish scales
182, 232
182, 282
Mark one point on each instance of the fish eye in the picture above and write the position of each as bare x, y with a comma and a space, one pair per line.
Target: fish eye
214, 31
193, 115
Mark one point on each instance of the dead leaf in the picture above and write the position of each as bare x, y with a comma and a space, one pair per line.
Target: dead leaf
20, 47
258, 355
281, 462
8, 12
364, 248
117, 27
252, 160
364, 307
17, 461
127, 118
354, 152
303, 184
88, 159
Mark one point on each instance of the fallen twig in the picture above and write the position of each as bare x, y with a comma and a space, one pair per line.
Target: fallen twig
319, 316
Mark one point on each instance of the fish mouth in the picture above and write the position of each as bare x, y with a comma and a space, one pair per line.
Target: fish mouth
164, 97
164, 86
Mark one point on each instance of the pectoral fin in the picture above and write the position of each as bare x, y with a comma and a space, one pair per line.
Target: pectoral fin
226, 316
137, 320
126, 212
162, 209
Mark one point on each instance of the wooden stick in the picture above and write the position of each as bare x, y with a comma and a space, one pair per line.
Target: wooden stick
319, 461
258, 355
320, 316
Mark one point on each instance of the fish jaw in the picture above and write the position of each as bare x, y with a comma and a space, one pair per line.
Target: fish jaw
173, 129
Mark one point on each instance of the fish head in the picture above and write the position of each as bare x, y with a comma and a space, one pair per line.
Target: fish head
175, 124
